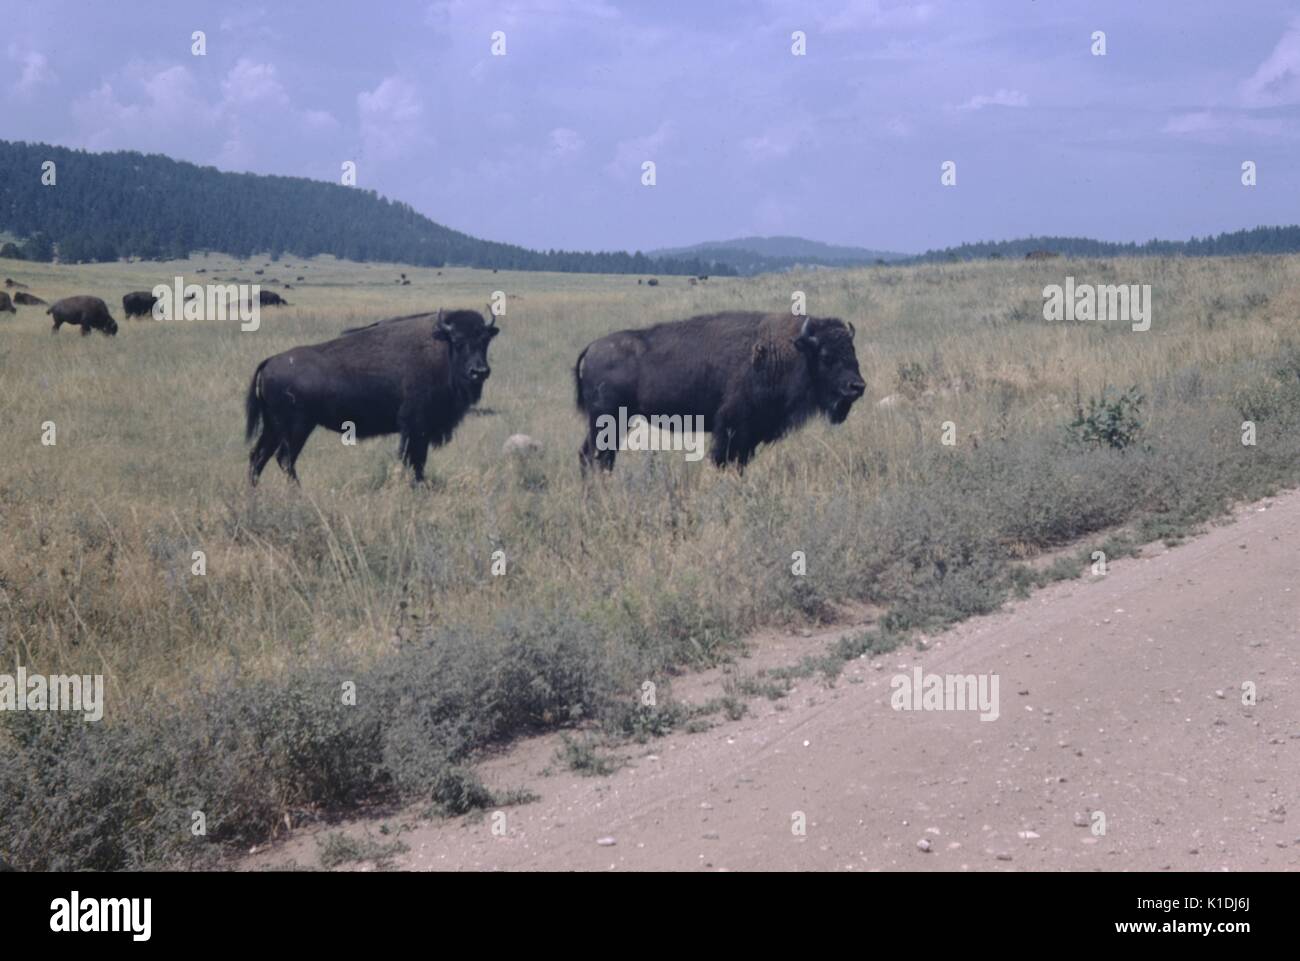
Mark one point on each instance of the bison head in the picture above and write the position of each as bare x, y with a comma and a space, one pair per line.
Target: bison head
467, 338
827, 344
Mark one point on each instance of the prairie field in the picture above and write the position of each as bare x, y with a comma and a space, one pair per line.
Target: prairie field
223, 688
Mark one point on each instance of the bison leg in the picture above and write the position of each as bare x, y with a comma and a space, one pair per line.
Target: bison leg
590, 452
732, 445
417, 453
291, 446
263, 450
85, 330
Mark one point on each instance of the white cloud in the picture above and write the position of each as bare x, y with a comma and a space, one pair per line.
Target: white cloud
1223, 125
250, 83
35, 71
566, 142
391, 118
157, 107
1276, 82
629, 155
1003, 98
874, 14
778, 143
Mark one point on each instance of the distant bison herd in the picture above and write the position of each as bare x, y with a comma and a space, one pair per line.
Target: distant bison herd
745, 378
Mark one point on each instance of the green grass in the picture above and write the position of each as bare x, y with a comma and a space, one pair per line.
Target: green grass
224, 692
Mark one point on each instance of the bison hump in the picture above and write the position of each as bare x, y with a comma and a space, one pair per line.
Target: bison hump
774, 355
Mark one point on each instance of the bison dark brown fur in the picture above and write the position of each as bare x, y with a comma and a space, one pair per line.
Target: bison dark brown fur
138, 303
751, 377
27, 300
6, 305
415, 376
88, 313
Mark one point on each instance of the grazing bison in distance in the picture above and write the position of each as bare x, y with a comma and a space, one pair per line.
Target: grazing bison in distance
751, 378
138, 303
27, 300
415, 376
88, 313
6, 305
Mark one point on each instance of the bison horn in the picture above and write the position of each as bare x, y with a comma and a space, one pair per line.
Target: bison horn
492, 318
804, 331
853, 331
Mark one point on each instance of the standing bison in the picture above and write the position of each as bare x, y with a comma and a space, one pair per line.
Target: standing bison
7, 305
88, 313
138, 303
415, 376
750, 377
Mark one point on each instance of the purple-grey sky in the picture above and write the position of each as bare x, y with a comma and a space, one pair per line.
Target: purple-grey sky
544, 146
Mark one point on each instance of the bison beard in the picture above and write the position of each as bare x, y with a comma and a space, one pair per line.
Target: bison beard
751, 377
414, 375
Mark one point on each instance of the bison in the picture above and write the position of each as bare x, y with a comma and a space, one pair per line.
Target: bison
751, 377
6, 305
269, 298
138, 303
415, 376
27, 300
88, 313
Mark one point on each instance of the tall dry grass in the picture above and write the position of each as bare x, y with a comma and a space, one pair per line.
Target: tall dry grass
662, 564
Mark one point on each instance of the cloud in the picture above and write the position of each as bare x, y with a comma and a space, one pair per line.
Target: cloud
391, 119
1222, 125
1003, 98
630, 154
157, 106
1276, 82
566, 142
253, 83
35, 71
778, 142
874, 14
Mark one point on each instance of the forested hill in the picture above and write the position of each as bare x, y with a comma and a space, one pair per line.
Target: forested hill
111, 205
1257, 240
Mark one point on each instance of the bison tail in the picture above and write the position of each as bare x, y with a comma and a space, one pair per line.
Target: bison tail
253, 404
577, 380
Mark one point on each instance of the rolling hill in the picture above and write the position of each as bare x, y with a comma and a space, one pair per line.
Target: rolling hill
760, 255
105, 206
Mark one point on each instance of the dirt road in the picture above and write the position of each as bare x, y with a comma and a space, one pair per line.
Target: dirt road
1119, 696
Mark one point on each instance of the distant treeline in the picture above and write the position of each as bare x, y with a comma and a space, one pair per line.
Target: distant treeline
746, 263
112, 205
1257, 240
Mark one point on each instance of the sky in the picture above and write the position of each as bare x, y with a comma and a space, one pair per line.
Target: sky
544, 146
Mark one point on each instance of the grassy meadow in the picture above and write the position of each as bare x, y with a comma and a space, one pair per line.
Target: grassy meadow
223, 690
